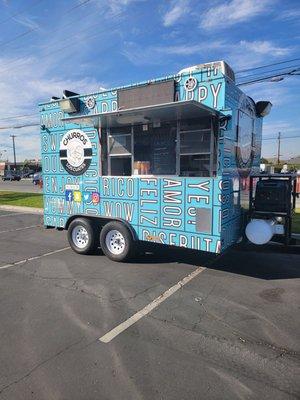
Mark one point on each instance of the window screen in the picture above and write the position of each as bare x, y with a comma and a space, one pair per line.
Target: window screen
195, 142
119, 144
119, 155
120, 166
197, 155
195, 165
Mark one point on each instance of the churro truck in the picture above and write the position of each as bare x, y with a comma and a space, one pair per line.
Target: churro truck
165, 161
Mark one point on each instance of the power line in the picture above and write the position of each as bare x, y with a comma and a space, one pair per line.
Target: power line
268, 65
282, 69
20, 12
17, 116
35, 29
64, 47
77, 5
268, 77
18, 126
4, 43
281, 138
73, 43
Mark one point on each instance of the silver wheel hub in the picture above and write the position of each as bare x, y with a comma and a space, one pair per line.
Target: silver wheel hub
115, 242
80, 236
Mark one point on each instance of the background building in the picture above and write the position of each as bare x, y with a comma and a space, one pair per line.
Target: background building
24, 167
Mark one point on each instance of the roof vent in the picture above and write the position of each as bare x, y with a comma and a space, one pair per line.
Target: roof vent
212, 67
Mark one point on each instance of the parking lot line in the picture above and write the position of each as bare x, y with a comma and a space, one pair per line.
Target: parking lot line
33, 258
20, 229
14, 214
151, 306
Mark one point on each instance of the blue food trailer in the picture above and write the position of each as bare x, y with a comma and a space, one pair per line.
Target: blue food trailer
165, 161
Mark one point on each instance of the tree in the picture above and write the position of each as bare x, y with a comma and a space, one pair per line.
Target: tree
264, 161
25, 165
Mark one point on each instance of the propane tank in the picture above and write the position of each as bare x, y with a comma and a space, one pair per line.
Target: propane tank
260, 231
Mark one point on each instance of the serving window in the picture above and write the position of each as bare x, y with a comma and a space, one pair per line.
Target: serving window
155, 149
182, 148
197, 147
119, 151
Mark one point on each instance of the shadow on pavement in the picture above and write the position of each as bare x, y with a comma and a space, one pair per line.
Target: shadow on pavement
265, 262
268, 262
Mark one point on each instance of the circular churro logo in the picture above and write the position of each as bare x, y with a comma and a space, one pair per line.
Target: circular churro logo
75, 152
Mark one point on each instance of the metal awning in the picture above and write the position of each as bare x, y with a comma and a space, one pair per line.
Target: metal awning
141, 115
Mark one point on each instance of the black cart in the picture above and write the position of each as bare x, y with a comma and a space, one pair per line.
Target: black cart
273, 196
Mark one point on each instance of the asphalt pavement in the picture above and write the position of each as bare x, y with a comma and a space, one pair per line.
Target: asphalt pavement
24, 185
232, 332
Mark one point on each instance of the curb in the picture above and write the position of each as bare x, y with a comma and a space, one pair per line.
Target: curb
25, 210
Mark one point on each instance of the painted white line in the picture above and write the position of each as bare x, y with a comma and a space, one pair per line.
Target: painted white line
151, 306
22, 209
14, 214
33, 258
20, 229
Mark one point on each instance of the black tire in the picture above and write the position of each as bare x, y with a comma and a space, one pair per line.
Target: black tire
125, 249
91, 230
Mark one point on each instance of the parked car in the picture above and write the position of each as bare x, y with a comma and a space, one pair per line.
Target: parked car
37, 178
11, 176
27, 175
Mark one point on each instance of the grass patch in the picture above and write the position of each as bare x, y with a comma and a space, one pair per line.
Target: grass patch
296, 222
21, 199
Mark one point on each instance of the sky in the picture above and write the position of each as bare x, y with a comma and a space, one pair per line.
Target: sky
85, 45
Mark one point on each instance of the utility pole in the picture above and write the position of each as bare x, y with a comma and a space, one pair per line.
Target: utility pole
14, 148
278, 148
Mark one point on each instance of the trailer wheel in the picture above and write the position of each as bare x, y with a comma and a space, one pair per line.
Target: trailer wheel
116, 241
82, 236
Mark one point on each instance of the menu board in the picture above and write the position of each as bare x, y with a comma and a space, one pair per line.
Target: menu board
146, 95
164, 154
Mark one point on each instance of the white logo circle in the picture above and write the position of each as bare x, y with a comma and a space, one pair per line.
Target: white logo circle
190, 83
90, 102
75, 152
